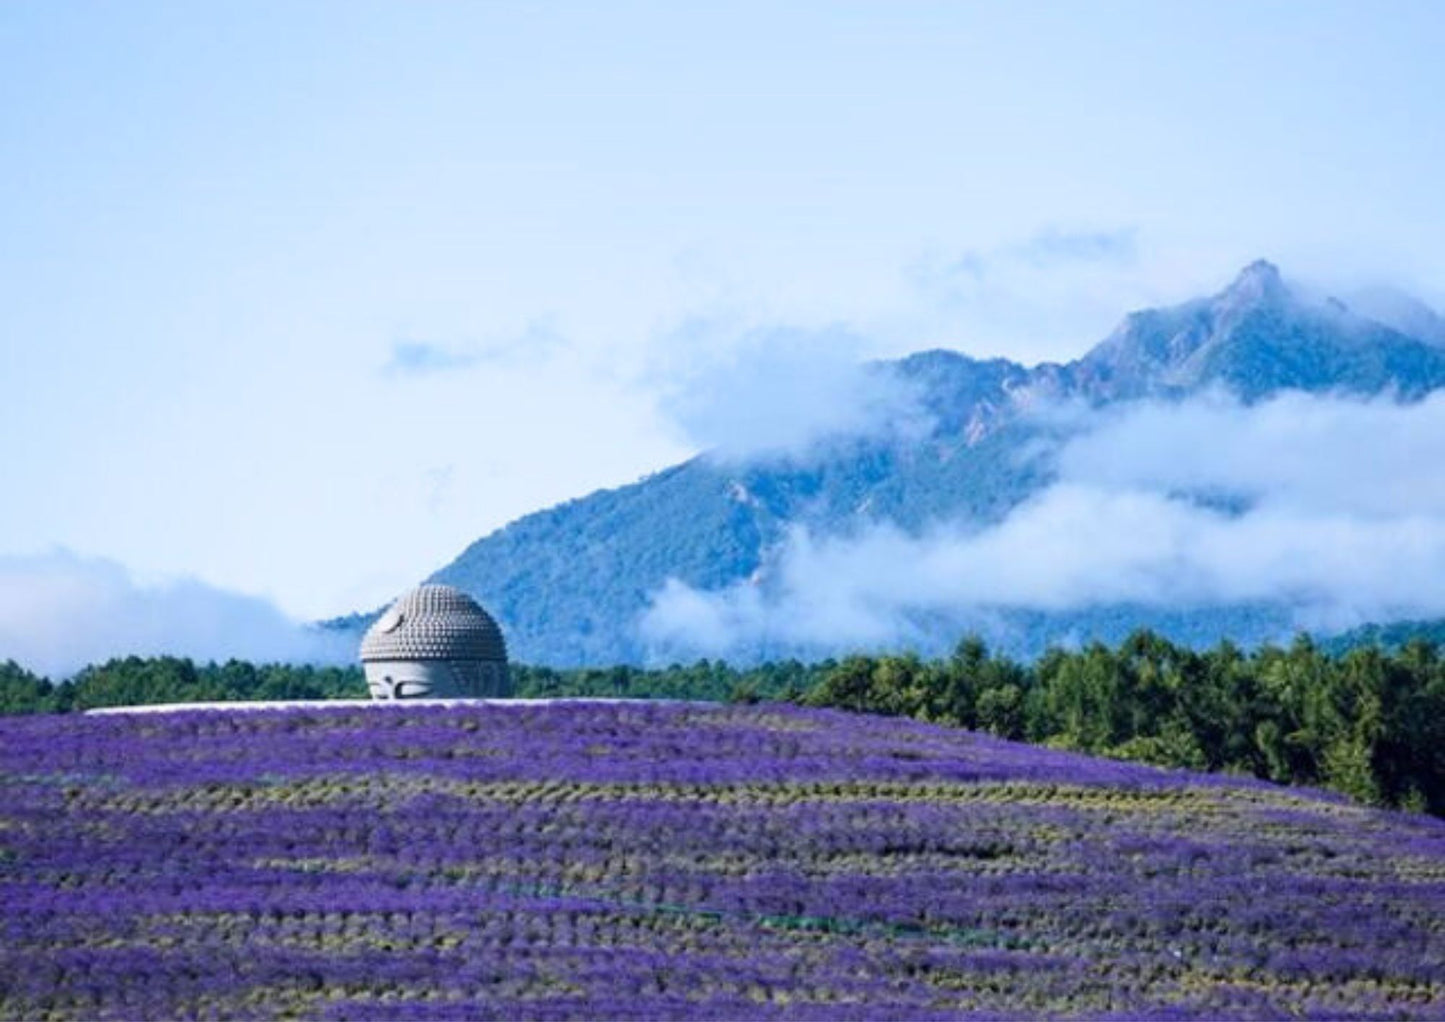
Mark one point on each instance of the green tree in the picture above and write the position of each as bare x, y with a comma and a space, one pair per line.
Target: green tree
24, 692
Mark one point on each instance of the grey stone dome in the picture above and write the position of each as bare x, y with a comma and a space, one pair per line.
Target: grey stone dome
434, 622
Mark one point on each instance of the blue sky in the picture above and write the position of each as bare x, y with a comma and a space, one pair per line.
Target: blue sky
296, 300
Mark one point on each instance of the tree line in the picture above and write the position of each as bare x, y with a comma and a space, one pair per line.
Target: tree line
1369, 722
139, 681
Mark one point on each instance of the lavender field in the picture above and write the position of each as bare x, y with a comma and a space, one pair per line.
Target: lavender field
583, 860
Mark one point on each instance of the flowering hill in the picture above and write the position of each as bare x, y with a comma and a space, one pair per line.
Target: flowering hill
631, 860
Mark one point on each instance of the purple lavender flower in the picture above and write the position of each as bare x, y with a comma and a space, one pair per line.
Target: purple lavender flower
681, 861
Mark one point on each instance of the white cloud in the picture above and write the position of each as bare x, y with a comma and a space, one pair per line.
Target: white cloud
59, 612
1038, 298
779, 392
421, 357
1339, 513
1314, 453
538, 343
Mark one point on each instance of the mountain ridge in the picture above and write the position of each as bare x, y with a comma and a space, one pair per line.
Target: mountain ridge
570, 583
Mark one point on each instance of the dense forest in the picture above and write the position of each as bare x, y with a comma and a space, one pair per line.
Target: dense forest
1369, 722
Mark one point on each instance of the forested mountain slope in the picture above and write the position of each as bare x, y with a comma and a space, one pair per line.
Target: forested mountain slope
571, 583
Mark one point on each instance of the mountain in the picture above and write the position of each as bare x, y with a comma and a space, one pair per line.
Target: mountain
1256, 338
1399, 311
570, 584
1390, 636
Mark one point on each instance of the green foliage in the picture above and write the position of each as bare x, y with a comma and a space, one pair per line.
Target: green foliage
23, 692
712, 680
1369, 723
139, 681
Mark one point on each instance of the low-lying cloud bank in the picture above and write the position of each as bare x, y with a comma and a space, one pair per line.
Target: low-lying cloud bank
1323, 454
1330, 506
59, 612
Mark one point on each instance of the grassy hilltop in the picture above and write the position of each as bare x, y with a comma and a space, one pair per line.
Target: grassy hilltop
635, 860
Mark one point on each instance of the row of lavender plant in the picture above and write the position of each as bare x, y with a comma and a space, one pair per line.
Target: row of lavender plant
638, 861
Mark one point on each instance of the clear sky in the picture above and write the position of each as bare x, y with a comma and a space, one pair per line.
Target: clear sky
298, 299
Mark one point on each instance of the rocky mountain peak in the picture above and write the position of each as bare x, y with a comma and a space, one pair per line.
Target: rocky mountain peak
1259, 282
1256, 337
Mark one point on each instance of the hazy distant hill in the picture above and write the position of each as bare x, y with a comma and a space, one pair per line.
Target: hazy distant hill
570, 583
1390, 636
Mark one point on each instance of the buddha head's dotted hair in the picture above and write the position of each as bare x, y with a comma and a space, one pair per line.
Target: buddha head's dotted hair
434, 622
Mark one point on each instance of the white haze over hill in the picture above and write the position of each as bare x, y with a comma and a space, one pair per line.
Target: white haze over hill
1331, 505
779, 393
59, 612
